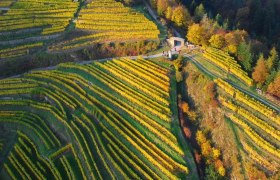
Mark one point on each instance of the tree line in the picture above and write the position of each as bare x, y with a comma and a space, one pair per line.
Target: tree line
223, 25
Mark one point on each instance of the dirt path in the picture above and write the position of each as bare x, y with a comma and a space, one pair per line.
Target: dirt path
88, 62
30, 39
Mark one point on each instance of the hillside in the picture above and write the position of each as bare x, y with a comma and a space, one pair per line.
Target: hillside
244, 129
36, 34
108, 21
139, 89
28, 25
93, 121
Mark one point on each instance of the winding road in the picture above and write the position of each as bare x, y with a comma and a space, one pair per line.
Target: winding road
155, 17
205, 70
87, 62
200, 66
261, 99
190, 57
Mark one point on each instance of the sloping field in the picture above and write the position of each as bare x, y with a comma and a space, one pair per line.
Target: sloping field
101, 121
109, 21
226, 62
256, 127
29, 23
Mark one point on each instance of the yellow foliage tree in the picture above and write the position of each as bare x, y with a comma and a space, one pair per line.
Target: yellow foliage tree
195, 34
162, 6
206, 149
217, 41
200, 137
222, 171
181, 16
169, 13
216, 153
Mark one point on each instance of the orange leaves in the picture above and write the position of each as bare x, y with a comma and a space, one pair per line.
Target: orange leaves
274, 87
204, 144
260, 71
185, 107
187, 132
206, 149
211, 154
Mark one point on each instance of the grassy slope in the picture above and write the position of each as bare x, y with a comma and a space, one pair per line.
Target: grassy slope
211, 119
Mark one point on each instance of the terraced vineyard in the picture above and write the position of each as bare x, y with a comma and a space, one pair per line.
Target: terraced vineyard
226, 62
30, 23
6, 3
257, 127
109, 21
115, 119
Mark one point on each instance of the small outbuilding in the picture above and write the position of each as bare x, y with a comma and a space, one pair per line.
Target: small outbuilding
176, 42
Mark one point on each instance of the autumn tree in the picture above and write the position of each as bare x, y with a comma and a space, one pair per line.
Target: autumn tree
220, 167
181, 16
206, 148
216, 153
162, 7
260, 71
217, 41
187, 132
185, 107
169, 13
195, 34
233, 39
200, 137
274, 87
231, 43
178, 64
211, 156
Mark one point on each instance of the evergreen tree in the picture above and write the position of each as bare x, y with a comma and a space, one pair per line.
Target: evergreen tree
219, 19
244, 56
226, 24
199, 13
273, 60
